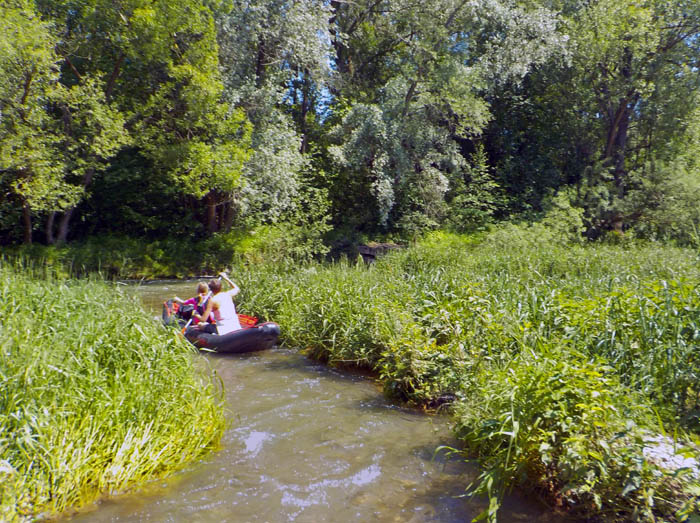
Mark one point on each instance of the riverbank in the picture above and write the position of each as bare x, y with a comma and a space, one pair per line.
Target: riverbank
559, 362
130, 258
566, 367
95, 397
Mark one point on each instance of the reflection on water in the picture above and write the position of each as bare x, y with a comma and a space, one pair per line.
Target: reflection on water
307, 443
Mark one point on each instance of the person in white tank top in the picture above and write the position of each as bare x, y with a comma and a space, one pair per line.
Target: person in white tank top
222, 307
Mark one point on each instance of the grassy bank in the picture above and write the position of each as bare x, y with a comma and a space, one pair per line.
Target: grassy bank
94, 397
560, 361
132, 258
123, 257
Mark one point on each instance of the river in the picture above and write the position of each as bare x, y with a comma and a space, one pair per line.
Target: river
307, 443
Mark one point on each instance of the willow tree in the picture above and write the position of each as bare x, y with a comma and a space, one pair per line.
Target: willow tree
274, 56
413, 77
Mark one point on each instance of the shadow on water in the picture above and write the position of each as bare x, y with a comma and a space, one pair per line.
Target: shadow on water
311, 444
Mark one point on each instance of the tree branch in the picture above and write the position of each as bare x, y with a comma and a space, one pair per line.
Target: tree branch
113, 76
72, 68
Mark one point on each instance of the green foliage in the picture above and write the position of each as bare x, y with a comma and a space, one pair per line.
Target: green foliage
117, 256
184, 127
127, 200
410, 116
562, 224
667, 191
93, 131
412, 100
649, 333
601, 122
214, 143
556, 419
28, 169
472, 198
274, 63
135, 258
427, 369
115, 402
559, 359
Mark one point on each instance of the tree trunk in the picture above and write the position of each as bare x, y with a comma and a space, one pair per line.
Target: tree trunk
409, 97
619, 113
212, 225
260, 64
617, 224
304, 110
229, 213
342, 53
50, 238
113, 77
616, 146
64, 223
27, 224
63, 226
619, 118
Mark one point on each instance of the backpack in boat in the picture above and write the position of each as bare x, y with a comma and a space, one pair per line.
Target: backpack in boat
185, 311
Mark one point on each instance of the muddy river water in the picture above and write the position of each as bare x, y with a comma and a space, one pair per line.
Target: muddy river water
310, 444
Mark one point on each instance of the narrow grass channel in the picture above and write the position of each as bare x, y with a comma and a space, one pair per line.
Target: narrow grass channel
95, 397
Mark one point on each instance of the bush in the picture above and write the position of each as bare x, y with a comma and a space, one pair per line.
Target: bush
556, 420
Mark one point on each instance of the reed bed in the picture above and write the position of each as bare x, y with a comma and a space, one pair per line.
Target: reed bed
95, 397
557, 360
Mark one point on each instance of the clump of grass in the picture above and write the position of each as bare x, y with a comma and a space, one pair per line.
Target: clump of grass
520, 328
94, 396
563, 424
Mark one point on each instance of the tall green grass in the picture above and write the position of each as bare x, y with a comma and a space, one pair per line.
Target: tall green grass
94, 396
557, 359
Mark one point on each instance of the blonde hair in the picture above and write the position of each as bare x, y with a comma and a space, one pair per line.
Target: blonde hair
202, 287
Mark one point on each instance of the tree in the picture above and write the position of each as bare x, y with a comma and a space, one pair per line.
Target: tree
424, 68
604, 119
30, 169
91, 134
473, 198
626, 53
666, 191
274, 56
157, 63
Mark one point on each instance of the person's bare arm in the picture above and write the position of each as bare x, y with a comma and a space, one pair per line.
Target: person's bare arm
234, 288
205, 315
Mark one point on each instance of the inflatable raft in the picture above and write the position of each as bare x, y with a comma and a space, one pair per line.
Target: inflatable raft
252, 337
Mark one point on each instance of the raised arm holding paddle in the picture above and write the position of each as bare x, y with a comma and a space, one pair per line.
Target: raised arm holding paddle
222, 306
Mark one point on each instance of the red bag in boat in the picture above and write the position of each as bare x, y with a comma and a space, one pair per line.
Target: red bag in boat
247, 321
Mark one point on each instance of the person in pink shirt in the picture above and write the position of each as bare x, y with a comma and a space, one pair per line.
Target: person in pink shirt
198, 303
222, 307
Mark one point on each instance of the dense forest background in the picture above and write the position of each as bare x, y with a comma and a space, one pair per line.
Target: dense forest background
327, 123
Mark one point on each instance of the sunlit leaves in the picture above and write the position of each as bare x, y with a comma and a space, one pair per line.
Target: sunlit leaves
92, 130
28, 76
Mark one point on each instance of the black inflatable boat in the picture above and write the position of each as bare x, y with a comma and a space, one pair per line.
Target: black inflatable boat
252, 337
259, 337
